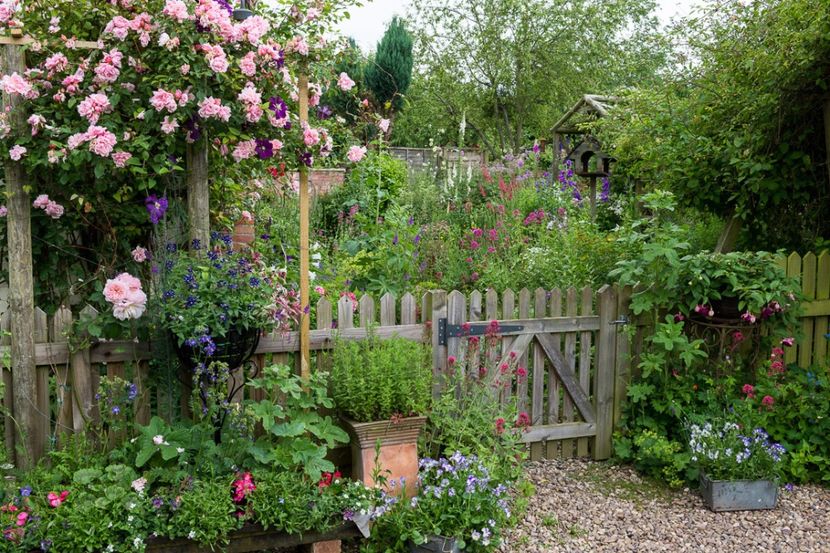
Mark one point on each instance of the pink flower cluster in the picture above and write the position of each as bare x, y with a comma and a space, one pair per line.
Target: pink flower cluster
17, 152
120, 27
244, 150
55, 499
247, 65
252, 100
17, 84
110, 67
125, 294
56, 63
212, 108
93, 106
243, 486
52, 208
8, 8
120, 158
176, 9
216, 58
101, 141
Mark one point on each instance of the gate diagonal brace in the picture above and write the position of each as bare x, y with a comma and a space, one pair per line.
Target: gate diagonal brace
446, 330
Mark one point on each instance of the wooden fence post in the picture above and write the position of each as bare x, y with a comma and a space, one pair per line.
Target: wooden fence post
21, 286
604, 381
198, 191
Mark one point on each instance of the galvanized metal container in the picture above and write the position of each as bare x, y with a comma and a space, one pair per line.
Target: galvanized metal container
436, 544
738, 495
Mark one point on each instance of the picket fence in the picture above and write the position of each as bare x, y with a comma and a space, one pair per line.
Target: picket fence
68, 379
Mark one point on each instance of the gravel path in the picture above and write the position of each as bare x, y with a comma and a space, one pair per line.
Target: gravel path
582, 506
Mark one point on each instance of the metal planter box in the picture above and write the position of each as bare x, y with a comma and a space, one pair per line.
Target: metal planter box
738, 495
436, 544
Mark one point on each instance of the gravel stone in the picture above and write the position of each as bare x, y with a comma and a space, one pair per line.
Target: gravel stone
583, 506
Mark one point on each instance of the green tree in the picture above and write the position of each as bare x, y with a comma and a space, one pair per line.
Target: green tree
510, 68
389, 74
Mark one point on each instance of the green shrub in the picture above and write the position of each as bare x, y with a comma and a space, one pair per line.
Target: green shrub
377, 379
206, 513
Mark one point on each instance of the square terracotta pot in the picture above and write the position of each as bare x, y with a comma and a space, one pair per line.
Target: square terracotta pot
398, 450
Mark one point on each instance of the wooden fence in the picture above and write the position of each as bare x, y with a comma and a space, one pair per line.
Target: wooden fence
813, 272
68, 380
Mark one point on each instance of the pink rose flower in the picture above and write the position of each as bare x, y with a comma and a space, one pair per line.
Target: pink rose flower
311, 136
176, 9
54, 210
3, 211
212, 107
115, 290
244, 150
384, 125
41, 201
139, 254
107, 73
17, 152
120, 158
356, 153
56, 63
101, 141
162, 100
168, 126
247, 64
16, 84
93, 106
345, 82
184, 69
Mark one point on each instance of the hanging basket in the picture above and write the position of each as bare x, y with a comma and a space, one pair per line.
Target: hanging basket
234, 348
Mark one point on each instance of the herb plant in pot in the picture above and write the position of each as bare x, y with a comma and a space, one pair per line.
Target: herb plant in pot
738, 464
382, 389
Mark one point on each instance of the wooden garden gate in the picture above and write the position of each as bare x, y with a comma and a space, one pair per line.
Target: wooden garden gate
570, 367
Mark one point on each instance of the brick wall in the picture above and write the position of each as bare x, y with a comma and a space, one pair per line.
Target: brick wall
322, 180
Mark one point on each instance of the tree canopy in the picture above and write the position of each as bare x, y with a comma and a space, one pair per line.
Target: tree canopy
508, 69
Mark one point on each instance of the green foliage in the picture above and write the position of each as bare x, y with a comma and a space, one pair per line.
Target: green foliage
375, 379
388, 75
799, 419
296, 436
211, 291
206, 513
468, 419
293, 505
734, 127
658, 456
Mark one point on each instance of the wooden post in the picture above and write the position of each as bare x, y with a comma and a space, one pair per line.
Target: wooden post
198, 191
21, 286
305, 321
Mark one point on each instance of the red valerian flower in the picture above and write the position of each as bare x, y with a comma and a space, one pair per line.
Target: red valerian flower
523, 420
749, 390
499, 425
768, 402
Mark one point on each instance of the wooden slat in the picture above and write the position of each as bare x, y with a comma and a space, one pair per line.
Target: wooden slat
61, 326
604, 372
491, 301
821, 323
521, 387
408, 310
82, 382
437, 306
388, 317
571, 309
475, 306
8, 398
808, 288
553, 449
585, 360
345, 315
623, 356
540, 304
324, 322
567, 377
563, 431
42, 424
508, 307
456, 315
367, 311
793, 270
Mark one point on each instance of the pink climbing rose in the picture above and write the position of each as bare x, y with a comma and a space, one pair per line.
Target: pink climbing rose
17, 152
345, 82
356, 153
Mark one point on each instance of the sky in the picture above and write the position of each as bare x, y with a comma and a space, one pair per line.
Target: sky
368, 23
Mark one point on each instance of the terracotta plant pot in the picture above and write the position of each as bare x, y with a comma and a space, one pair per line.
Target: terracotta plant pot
243, 232
398, 450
